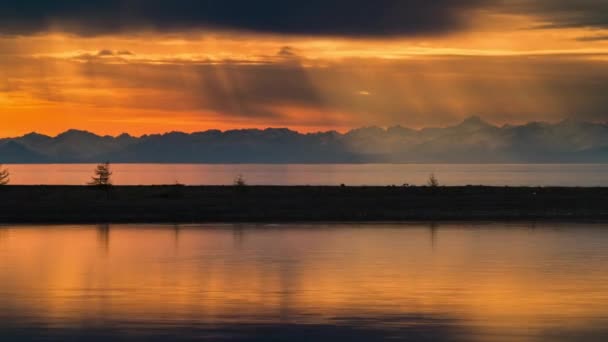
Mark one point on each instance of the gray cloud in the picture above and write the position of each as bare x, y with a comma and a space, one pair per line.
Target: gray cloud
351, 18
310, 17
103, 53
561, 13
287, 51
592, 38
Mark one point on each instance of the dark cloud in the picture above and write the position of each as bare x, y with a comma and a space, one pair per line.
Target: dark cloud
562, 13
313, 17
287, 51
103, 53
592, 38
109, 53
310, 17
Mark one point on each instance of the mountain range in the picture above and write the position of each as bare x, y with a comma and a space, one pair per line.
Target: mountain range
471, 141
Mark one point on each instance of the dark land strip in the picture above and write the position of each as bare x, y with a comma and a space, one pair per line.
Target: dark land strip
200, 204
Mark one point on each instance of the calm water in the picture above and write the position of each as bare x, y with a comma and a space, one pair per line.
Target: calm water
492, 282
366, 174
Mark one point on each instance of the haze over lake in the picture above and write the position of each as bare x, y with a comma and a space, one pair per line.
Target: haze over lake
319, 174
370, 282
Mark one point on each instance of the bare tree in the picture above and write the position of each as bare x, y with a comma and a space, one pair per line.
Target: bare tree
4, 176
103, 175
432, 182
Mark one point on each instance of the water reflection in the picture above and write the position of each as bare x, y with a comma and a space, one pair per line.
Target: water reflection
301, 282
238, 234
103, 237
176, 231
433, 227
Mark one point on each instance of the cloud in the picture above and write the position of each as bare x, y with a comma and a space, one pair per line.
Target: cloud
299, 17
103, 53
562, 13
345, 18
414, 92
592, 38
124, 53
287, 51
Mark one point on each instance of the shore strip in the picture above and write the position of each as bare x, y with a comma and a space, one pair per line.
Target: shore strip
207, 204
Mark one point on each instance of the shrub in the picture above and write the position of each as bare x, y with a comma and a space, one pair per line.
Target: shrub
432, 182
240, 181
4, 176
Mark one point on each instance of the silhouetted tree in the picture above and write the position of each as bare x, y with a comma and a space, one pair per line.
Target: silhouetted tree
103, 175
240, 181
4, 176
432, 182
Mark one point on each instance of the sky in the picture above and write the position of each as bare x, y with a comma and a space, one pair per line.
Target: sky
153, 66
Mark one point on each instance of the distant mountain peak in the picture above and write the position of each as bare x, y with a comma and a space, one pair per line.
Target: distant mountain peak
535, 125
35, 135
368, 130
474, 123
398, 129
281, 131
474, 120
76, 134
572, 122
34, 138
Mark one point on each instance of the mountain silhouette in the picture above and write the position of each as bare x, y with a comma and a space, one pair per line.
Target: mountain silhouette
16, 153
471, 141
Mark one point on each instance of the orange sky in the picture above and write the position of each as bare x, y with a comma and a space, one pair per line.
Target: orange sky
503, 67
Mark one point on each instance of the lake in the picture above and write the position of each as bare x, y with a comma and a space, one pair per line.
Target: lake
321, 174
343, 282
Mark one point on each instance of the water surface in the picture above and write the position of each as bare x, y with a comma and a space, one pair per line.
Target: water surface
321, 174
369, 282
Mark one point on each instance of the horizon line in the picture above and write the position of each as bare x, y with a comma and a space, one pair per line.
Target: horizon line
472, 118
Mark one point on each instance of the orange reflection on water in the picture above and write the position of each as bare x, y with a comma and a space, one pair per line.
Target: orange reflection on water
493, 280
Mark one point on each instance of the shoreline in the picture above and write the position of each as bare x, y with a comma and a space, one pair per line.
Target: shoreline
298, 204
